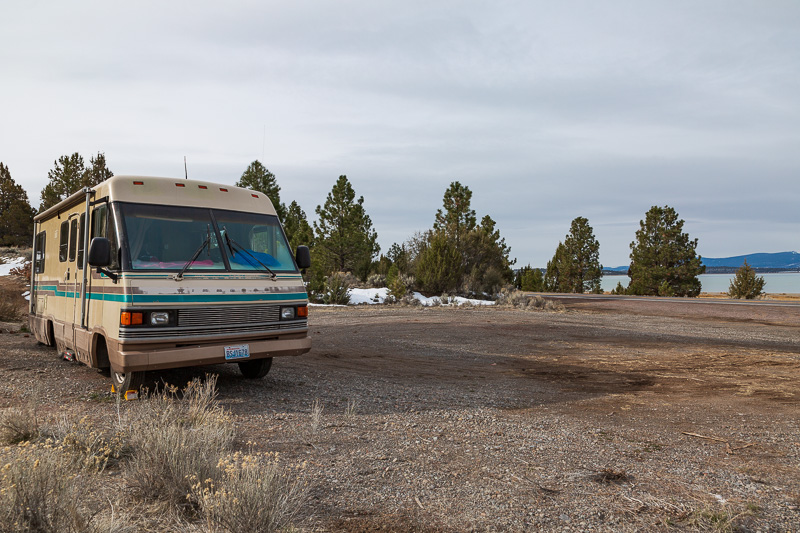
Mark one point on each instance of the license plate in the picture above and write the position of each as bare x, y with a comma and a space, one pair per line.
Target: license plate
241, 351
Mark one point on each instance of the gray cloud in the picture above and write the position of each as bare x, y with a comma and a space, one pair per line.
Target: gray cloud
547, 111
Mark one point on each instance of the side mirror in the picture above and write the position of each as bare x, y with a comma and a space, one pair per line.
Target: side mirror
99, 252
303, 257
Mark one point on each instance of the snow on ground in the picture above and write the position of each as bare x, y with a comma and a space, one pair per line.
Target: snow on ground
6, 267
378, 296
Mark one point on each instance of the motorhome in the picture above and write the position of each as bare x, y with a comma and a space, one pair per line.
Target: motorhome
142, 273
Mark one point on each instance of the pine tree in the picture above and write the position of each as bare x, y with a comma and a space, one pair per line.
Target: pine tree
344, 240
66, 178
69, 175
663, 259
257, 178
529, 279
584, 270
98, 172
486, 258
746, 284
16, 213
296, 226
556, 277
458, 218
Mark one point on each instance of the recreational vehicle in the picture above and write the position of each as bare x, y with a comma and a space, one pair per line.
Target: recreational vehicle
142, 273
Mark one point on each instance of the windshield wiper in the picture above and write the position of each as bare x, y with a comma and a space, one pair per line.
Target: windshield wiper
232, 243
179, 275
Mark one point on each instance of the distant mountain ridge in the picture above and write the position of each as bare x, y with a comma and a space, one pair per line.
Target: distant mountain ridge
772, 261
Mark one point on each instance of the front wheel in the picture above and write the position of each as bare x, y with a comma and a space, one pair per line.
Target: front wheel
257, 368
125, 382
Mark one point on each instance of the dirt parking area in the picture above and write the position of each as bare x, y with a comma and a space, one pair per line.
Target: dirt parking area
613, 415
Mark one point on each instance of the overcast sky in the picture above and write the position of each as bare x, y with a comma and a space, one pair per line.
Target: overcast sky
545, 110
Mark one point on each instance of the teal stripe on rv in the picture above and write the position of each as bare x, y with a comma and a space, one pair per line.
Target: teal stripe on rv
181, 298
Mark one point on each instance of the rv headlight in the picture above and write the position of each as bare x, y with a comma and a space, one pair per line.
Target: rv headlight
159, 318
287, 313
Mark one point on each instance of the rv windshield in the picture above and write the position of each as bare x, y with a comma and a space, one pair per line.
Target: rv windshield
166, 237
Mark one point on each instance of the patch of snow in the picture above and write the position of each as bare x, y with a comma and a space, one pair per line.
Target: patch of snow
6, 267
379, 296
368, 296
453, 300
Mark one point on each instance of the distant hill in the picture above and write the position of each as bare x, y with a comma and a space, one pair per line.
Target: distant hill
775, 262
780, 260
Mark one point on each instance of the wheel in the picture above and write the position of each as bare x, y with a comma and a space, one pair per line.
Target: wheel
257, 368
127, 381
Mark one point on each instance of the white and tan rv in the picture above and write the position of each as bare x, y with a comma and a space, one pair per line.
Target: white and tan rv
142, 273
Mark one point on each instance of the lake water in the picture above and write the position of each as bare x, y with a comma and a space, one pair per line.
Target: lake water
776, 283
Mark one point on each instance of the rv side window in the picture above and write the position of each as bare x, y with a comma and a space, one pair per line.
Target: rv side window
81, 231
63, 235
73, 238
100, 228
38, 260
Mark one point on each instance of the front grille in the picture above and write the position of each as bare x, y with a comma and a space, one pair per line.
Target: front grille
222, 316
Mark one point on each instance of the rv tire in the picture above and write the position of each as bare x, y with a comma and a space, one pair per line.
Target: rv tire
125, 381
257, 368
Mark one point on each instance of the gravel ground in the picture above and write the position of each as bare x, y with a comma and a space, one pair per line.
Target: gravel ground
606, 417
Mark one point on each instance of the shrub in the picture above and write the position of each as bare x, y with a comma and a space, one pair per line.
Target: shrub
12, 305
520, 300
22, 271
173, 439
90, 447
619, 289
38, 493
746, 284
336, 287
376, 280
19, 424
252, 494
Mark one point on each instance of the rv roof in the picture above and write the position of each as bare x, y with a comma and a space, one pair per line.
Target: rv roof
172, 191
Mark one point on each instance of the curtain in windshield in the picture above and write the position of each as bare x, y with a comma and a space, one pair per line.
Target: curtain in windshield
253, 241
166, 237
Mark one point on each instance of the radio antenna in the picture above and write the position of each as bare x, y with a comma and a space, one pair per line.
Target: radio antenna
185, 168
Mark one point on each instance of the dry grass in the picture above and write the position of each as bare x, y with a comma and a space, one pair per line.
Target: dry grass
12, 305
174, 451
521, 300
174, 439
253, 493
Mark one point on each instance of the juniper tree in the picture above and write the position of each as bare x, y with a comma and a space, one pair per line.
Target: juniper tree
16, 213
746, 284
664, 260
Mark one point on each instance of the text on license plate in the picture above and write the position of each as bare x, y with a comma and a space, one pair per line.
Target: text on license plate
241, 351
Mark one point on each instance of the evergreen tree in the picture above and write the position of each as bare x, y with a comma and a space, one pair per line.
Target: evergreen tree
439, 265
344, 240
556, 277
69, 175
97, 173
486, 258
16, 213
296, 226
529, 279
457, 219
258, 178
584, 270
746, 284
663, 259
65, 178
